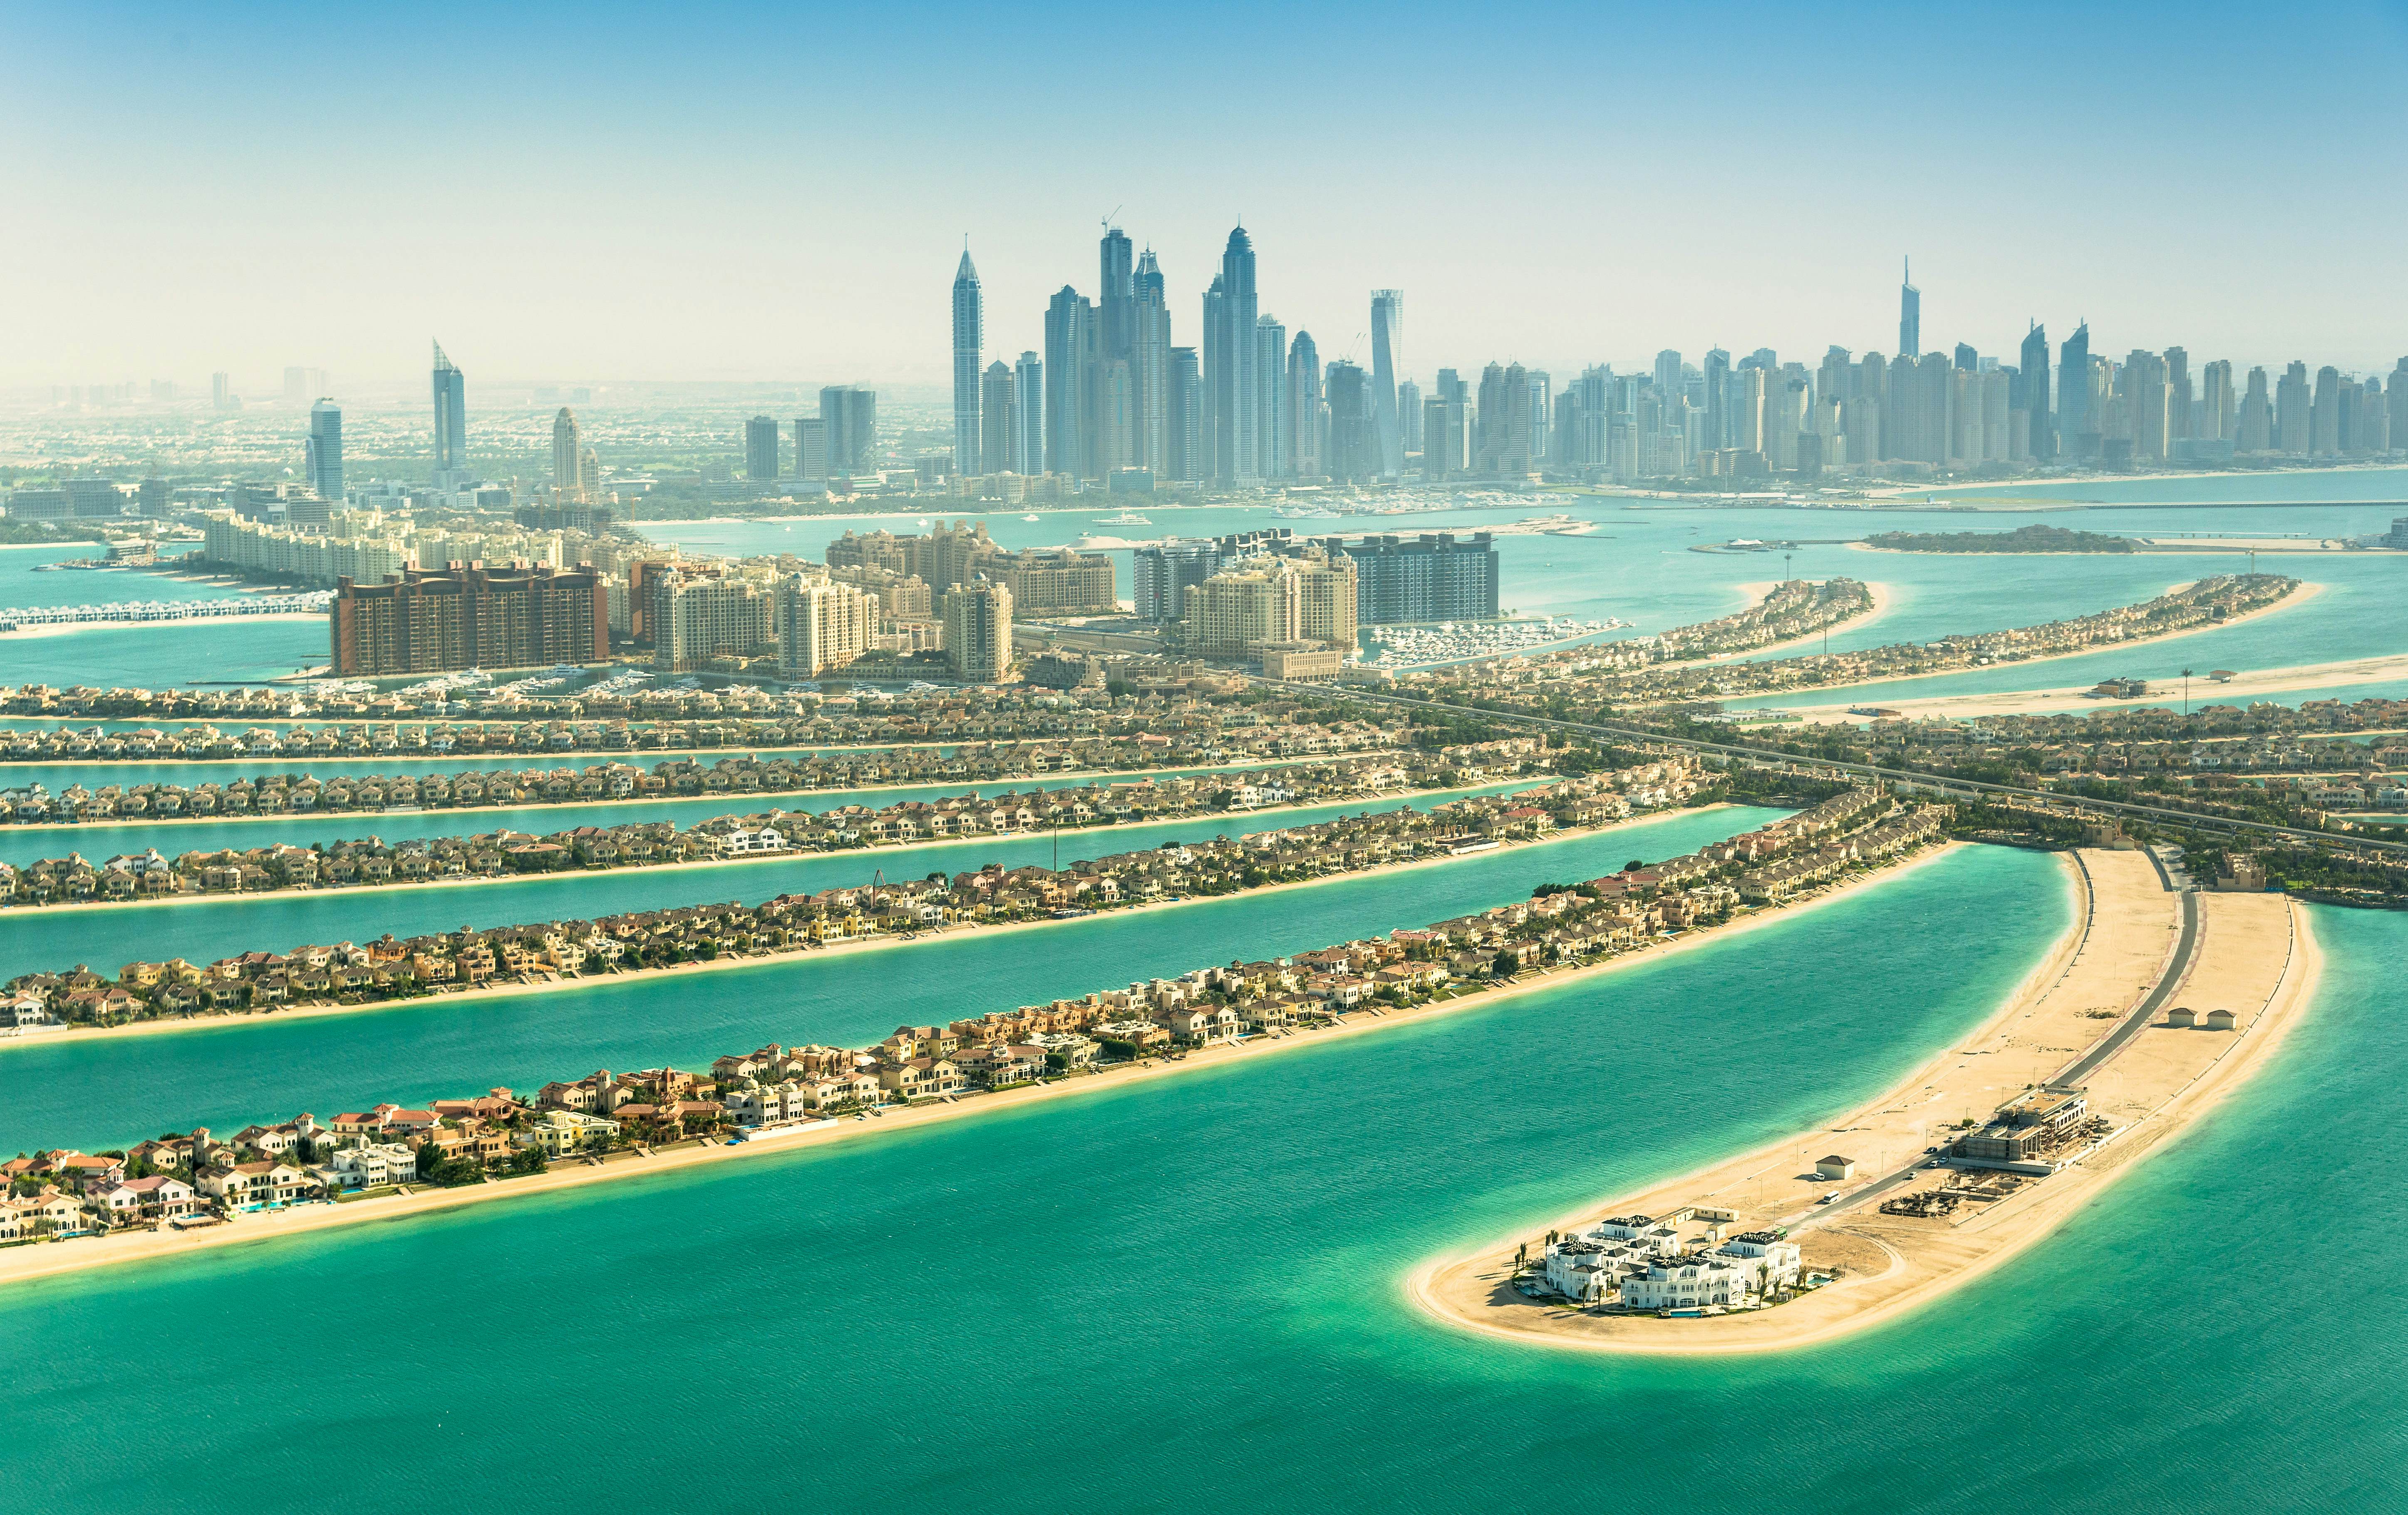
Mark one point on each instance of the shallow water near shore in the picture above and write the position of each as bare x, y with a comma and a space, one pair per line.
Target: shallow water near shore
1188, 1294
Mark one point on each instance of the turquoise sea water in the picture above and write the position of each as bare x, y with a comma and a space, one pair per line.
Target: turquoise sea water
1639, 567
105, 1091
1636, 567
1186, 1295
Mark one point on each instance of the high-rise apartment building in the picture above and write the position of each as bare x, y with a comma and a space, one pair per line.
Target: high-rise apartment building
1232, 409
2216, 401
760, 449
697, 617
1188, 456
1717, 385
1409, 414
1354, 428
1258, 602
1162, 573
222, 388
1387, 357
1028, 413
2324, 412
850, 413
2031, 396
451, 421
1150, 366
2077, 429
1307, 423
1110, 389
567, 476
2145, 404
323, 456
465, 617
1070, 376
810, 449
977, 631
998, 425
2253, 431
1271, 419
970, 338
1416, 580
2292, 411
822, 625
2178, 395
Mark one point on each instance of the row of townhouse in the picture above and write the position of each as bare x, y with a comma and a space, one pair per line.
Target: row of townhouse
370, 861
303, 793
1613, 675
672, 720
1828, 858
385, 1144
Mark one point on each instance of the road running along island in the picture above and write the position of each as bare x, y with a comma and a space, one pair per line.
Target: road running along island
2152, 1006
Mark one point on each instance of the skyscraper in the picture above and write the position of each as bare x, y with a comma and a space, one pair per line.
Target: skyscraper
2146, 402
977, 631
324, 456
2215, 415
1231, 412
1667, 373
1068, 374
1910, 313
1187, 456
760, 449
969, 336
2324, 412
1028, 413
851, 413
2253, 430
1109, 357
997, 426
812, 448
1717, 373
1353, 440
2292, 410
1271, 419
1409, 414
1388, 354
1305, 426
1150, 364
2178, 394
566, 474
2032, 398
2077, 429
451, 421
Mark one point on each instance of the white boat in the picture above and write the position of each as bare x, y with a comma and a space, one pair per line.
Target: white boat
1029, 518
1123, 518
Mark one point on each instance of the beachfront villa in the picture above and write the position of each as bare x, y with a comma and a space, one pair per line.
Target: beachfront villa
1639, 1264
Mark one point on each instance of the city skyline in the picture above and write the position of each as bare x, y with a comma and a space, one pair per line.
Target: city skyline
1731, 202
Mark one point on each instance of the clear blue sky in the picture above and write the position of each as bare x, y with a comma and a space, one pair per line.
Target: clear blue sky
739, 191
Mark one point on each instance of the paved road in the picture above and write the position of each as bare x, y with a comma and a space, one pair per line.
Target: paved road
1938, 783
2185, 948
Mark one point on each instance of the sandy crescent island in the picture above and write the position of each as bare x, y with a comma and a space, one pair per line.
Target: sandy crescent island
2100, 1013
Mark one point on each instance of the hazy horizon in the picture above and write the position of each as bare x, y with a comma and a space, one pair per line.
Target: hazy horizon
746, 195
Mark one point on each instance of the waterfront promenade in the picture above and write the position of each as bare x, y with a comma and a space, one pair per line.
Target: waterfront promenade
2093, 1012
